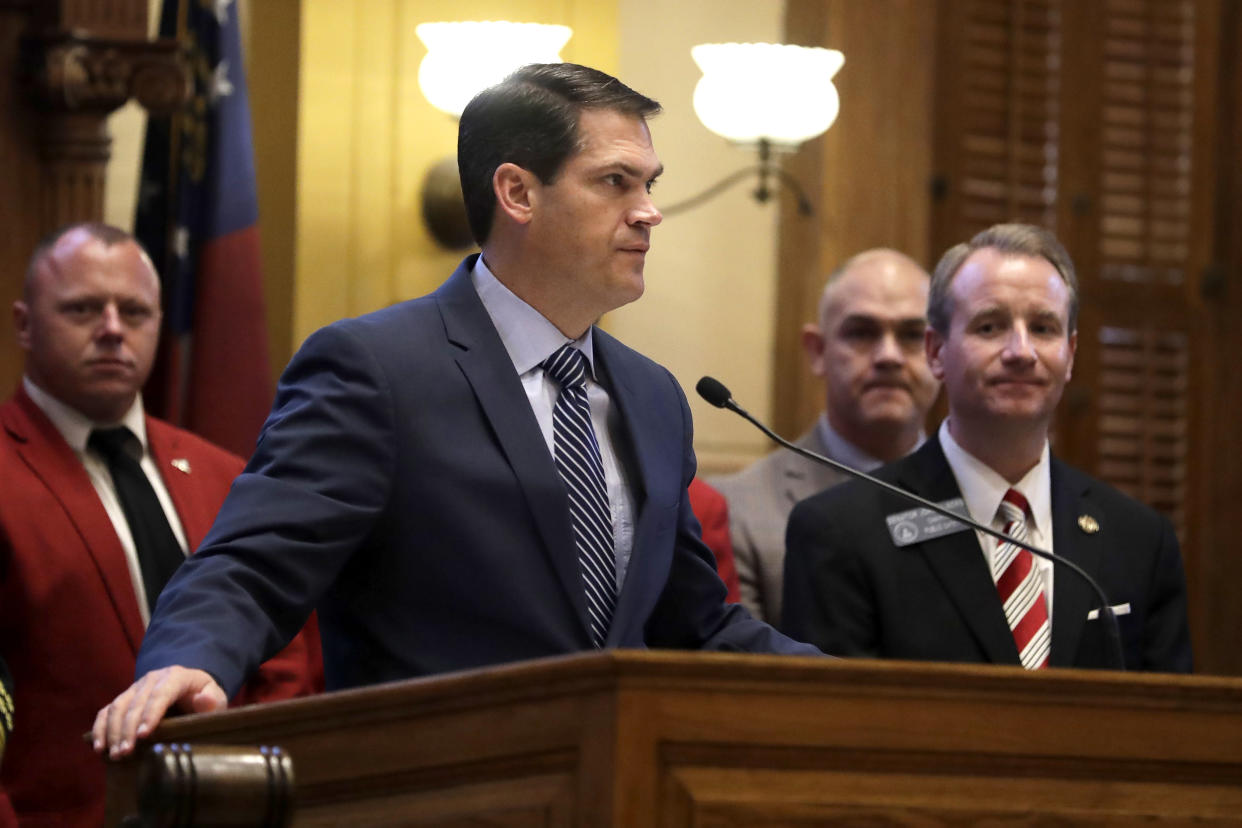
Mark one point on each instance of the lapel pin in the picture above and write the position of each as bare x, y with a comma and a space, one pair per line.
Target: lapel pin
1088, 524
182, 465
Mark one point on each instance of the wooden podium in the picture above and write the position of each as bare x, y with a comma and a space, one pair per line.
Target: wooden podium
662, 739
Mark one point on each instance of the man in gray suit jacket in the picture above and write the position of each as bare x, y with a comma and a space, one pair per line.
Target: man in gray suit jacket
868, 350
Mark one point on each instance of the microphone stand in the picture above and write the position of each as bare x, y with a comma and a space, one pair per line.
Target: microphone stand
715, 393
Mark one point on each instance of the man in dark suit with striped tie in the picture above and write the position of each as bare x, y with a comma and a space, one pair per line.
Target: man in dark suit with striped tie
866, 575
476, 476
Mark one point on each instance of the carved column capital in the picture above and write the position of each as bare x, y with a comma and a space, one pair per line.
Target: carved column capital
72, 72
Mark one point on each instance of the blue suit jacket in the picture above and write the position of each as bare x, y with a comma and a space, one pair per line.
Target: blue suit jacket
401, 484
852, 591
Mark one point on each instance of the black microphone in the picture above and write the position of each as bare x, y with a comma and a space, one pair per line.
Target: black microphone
714, 392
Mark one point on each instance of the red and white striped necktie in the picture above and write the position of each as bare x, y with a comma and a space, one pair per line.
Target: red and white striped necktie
1020, 586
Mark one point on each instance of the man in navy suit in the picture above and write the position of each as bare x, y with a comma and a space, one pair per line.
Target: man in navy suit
864, 575
406, 482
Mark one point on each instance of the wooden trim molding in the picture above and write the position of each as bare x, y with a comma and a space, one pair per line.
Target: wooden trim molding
72, 72
75, 80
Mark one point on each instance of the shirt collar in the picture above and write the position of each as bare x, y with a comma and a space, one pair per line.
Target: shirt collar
846, 452
528, 336
982, 488
76, 427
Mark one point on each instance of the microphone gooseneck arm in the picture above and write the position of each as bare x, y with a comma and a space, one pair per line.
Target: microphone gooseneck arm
715, 393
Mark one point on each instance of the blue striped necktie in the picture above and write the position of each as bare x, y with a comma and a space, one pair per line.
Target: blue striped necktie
576, 452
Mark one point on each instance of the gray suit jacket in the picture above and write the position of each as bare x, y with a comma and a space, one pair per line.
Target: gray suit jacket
760, 497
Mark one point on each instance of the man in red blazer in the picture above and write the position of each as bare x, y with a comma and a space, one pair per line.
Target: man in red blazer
712, 511
73, 605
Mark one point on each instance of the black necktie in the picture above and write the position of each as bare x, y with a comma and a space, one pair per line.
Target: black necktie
159, 554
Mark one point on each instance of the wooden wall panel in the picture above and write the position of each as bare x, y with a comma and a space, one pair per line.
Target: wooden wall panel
869, 175
112, 18
1216, 470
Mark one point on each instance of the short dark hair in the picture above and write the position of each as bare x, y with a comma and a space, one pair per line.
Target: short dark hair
531, 119
105, 233
1013, 239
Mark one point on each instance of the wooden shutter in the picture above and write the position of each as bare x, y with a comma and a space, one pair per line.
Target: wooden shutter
1146, 140
1000, 81
1142, 425
1146, 337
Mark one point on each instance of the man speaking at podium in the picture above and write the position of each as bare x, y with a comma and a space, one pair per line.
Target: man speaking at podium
476, 476
866, 575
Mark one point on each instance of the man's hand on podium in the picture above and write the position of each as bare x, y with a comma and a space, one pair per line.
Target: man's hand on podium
135, 713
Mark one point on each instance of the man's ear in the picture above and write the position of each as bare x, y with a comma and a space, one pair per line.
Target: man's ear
933, 344
1073, 349
21, 324
514, 189
813, 347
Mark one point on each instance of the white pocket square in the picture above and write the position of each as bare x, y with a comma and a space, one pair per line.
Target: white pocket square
1119, 609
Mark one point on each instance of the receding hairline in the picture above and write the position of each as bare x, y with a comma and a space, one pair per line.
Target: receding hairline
1009, 240
858, 260
1002, 254
106, 234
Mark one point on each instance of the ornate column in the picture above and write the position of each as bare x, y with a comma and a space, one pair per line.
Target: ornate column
80, 61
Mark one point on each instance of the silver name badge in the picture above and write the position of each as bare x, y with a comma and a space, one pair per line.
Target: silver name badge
922, 524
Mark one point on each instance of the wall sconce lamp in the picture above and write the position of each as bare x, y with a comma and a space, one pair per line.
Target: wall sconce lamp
463, 59
764, 95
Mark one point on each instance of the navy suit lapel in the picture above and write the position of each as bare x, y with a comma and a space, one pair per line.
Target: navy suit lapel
956, 559
1072, 598
486, 365
651, 450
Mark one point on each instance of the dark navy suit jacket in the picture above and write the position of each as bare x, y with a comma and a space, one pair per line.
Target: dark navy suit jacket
850, 590
402, 485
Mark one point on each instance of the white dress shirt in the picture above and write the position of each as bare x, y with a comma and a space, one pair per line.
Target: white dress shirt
530, 338
76, 428
983, 489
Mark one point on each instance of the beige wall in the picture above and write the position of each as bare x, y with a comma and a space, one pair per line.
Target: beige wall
711, 272
343, 138
366, 138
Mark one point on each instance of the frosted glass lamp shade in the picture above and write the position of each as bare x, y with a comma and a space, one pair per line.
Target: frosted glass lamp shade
465, 58
753, 91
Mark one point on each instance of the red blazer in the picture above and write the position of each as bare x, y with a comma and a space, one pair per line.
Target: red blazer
712, 511
70, 627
